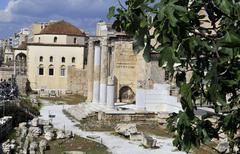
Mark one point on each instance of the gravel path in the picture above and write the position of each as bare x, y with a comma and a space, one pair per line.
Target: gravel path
115, 144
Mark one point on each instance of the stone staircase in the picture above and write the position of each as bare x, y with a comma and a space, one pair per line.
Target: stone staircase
83, 110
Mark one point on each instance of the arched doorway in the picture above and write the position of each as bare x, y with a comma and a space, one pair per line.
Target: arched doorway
21, 64
126, 95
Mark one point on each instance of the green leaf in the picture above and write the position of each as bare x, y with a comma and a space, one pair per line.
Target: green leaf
138, 43
187, 95
111, 12
226, 6
146, 54
171, 17
180, 8
230, 39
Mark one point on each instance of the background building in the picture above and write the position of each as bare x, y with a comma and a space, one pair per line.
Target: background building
54, 50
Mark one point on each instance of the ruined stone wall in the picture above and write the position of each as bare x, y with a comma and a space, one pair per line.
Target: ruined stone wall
21, 82
127, 117
124, 66
77, 81
157, 74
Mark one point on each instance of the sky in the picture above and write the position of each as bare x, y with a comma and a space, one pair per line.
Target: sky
17, 14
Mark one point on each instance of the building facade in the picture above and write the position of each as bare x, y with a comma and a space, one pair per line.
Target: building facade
57, 47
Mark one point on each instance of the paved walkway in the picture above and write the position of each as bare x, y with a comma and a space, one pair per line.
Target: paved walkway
115, 144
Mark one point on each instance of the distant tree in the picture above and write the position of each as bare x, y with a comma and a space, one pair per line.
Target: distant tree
8, 90
28, 88
211, 53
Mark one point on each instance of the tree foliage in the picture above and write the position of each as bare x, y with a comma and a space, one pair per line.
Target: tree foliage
204, 37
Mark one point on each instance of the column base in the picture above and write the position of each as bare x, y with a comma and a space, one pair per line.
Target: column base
103, 94
96, 88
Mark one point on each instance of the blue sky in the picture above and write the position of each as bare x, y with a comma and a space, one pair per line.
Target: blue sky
16, 14
3, 3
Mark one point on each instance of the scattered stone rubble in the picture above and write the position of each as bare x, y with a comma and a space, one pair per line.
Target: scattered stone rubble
33, 137
148, 141
130, 130
9, 146
223, 145
126, 129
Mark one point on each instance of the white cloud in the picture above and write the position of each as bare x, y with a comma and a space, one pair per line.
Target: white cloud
5, 16
82, 13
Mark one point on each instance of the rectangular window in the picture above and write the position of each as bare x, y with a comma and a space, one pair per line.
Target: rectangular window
51, 71
41, 71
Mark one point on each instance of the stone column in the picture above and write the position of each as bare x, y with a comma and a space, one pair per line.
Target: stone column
96, 83
90, 68
104, 70
140, 96
110, 92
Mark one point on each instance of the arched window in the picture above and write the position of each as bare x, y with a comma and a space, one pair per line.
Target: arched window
55, 39
51, 59
41, 58
63, 70
75, 40
41, 70
63, 59
51, 70
73, 59
39, 39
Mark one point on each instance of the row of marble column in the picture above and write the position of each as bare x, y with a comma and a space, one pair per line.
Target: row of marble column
100, 84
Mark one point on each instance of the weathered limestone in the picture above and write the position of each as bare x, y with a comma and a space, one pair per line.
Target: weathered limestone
90, 67
140, 96
60, 135
136, 137
43, 146
110, 92
49, 135
35, 131
35, 122
223, 146
126, 129
96, 84
33, 147
9, 146
104, 71
149, 142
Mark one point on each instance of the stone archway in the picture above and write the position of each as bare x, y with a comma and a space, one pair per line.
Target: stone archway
21, 64
126, 95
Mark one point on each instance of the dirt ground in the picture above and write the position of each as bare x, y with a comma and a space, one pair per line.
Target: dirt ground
76, 144
91, 123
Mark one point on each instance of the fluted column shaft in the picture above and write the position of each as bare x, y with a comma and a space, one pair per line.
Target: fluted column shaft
97, 63
90, 70
104, 71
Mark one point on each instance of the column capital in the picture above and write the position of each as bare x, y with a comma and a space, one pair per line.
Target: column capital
90, 43
104, 41
96, 43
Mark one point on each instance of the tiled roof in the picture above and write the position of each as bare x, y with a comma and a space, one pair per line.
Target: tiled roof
62, 28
